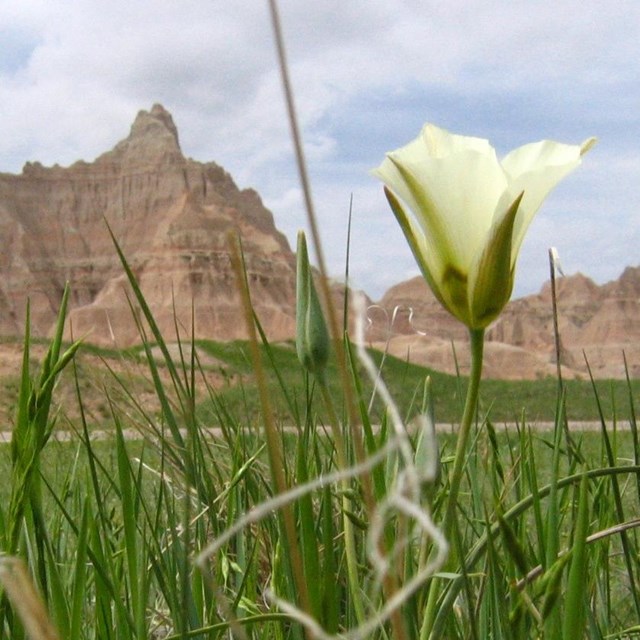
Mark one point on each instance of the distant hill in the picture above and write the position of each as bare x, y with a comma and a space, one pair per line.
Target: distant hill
169, 213
603, 321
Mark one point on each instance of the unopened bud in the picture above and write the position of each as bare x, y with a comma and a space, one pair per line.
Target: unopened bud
312, 337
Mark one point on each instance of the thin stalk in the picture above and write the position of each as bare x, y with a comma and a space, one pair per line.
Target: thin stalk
476, 338
633, 425
325, 288
389, 582
349, 535
358, 444
477, 348
552, 619
345, 306
274, 447
554, 307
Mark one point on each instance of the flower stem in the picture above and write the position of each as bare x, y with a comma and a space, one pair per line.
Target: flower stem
455, 478
477, 349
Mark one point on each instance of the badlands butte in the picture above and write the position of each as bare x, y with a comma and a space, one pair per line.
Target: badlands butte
171, 215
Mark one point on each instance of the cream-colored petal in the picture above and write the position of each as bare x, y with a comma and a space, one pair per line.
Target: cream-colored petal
428, 259
408, 187
491, 278
391, 174
536, 169
433, 142
454, 199
538, 155
447, 281
441, 143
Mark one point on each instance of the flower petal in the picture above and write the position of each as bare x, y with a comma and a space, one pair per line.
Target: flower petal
453, 196
441, 143
491, 280
427, 260
536, 169
449, 284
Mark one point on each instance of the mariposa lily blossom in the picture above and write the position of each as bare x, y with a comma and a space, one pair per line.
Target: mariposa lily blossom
465, 213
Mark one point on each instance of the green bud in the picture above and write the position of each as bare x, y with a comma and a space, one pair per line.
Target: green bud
312, 337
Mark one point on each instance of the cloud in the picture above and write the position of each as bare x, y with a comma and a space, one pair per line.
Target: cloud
367, 74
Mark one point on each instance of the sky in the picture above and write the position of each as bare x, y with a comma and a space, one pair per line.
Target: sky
367, 74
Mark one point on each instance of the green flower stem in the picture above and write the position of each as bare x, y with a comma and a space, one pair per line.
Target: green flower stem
455, 479
477, 349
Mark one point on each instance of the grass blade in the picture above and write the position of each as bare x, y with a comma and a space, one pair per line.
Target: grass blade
574, 609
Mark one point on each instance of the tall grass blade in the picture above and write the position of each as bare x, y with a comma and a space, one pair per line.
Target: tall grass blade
633, 425
299, 591
551, 613
131, 543
332, 594
308, 526
574, 619
78, 594
630, 554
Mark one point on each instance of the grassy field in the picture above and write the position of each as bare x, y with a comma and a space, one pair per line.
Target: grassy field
227, 368
314, 513
183, 535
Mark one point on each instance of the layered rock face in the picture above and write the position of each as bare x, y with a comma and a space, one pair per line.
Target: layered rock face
599, 322
170, 216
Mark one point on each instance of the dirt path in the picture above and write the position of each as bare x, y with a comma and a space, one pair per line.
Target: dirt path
133, 434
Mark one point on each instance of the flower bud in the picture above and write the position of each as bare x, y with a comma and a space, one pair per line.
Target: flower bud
312, 337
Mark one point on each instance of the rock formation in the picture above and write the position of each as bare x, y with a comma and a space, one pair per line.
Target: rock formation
599, 322
169, 214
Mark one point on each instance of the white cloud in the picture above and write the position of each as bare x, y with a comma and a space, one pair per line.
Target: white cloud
366, 74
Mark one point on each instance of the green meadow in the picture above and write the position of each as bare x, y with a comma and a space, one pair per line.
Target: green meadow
228, 366
116, 535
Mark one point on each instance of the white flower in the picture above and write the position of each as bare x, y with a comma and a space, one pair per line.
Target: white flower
471, 212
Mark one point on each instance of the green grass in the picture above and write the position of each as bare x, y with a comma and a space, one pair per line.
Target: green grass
115, 534
110, 531
85, 497
61, 456
504, 400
